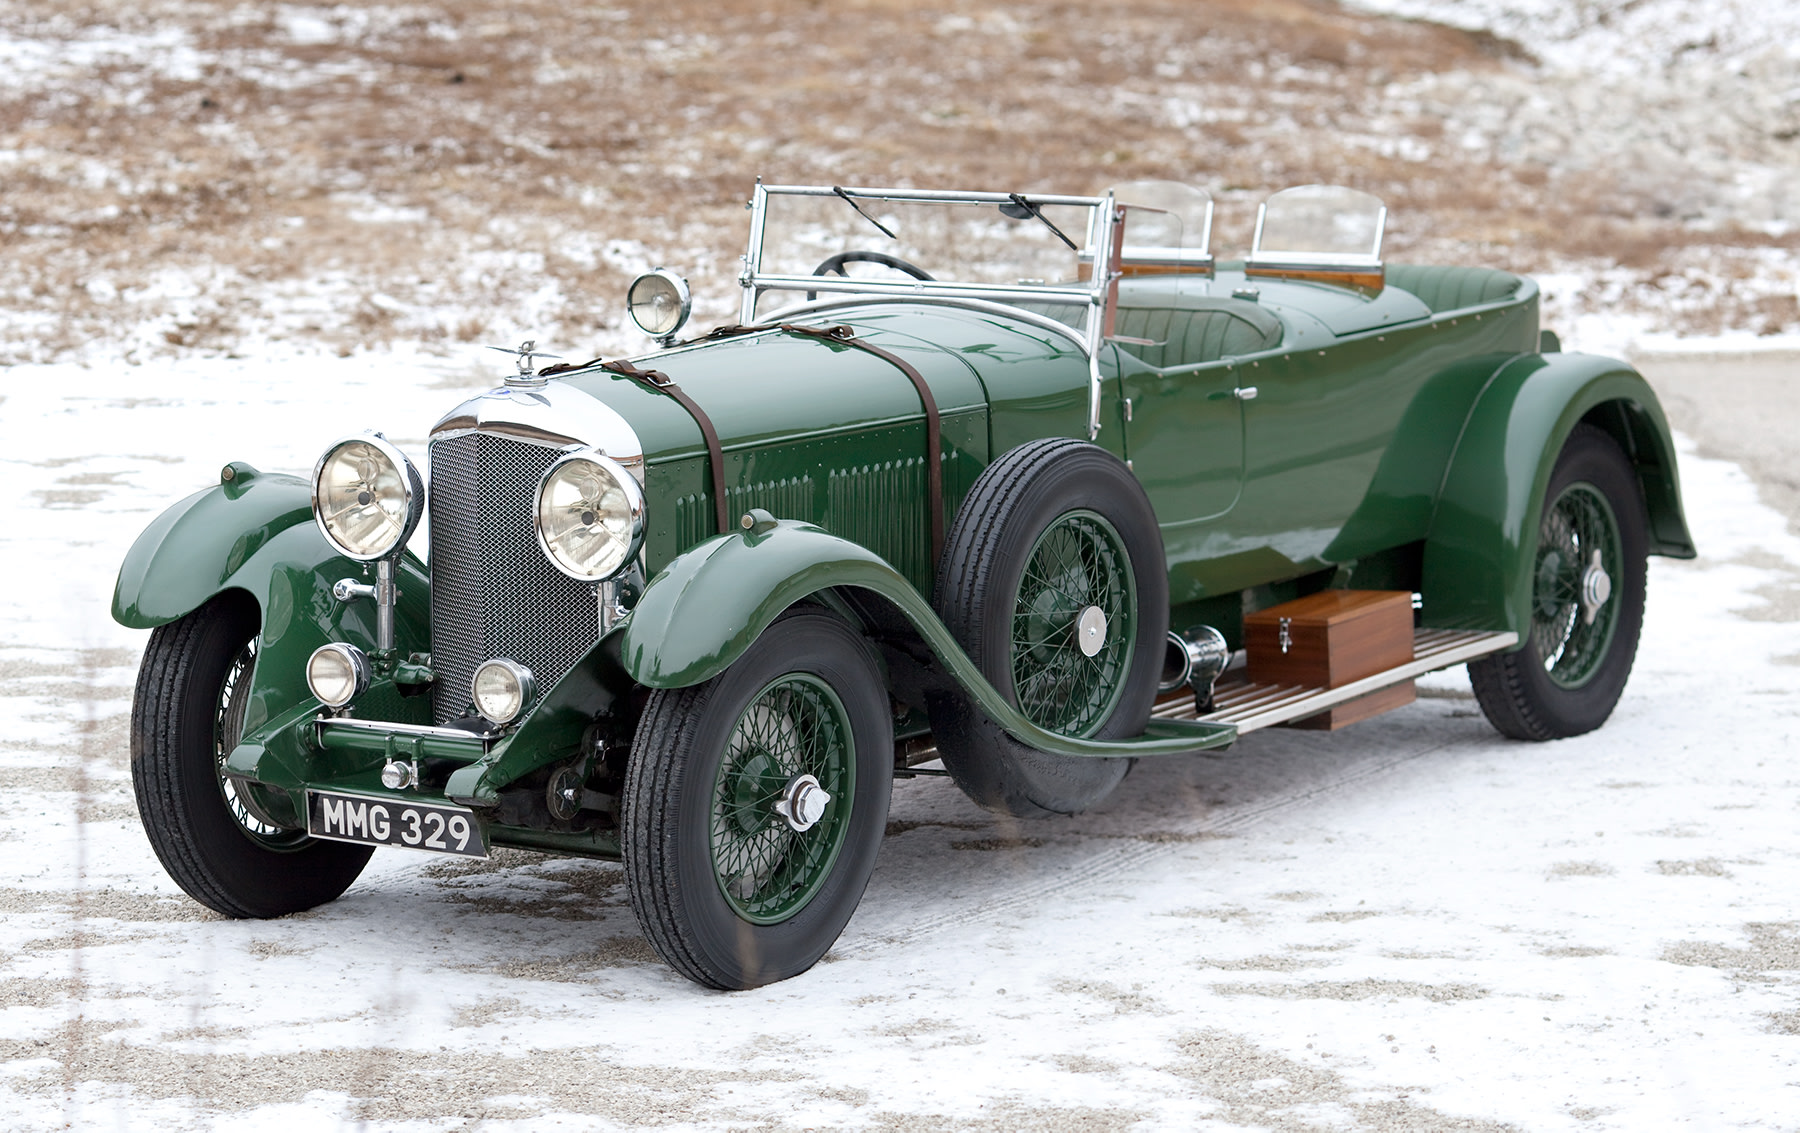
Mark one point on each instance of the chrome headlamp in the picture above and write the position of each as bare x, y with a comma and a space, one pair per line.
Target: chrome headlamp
338, 673
590, 516
659, 303
501, 689
367, 497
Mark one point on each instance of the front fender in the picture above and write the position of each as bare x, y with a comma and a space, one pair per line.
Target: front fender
1482, 546
702, 611
255, 533
199, 546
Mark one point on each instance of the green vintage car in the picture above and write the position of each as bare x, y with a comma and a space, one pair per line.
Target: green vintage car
991, 479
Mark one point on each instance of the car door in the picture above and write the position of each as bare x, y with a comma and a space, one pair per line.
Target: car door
1184, 432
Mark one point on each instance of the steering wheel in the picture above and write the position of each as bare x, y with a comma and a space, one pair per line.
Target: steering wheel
834, 265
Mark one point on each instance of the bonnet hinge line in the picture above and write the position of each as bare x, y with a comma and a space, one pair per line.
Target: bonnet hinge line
934, 437
715, 453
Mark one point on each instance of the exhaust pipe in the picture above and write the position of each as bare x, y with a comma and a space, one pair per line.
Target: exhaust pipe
1195, 657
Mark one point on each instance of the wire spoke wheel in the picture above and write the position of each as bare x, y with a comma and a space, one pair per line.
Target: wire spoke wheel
1077, 565
1579, 535
768, 870
1053, 581
228, 729
1586, 600
755, 804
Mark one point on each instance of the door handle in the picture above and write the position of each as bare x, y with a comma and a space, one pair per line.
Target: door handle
1244, 393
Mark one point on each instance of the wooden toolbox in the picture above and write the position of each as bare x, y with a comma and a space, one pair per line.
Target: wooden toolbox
1330, 639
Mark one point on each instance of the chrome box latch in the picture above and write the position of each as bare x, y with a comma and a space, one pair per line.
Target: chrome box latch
1287, 637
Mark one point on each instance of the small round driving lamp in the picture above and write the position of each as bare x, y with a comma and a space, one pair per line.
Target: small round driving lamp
338, 673
590, 515
501, 689
367, 497
659, 303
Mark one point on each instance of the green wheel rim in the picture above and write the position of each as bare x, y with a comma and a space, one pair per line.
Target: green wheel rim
228, 729
1576, 525
1078, 562
765, 868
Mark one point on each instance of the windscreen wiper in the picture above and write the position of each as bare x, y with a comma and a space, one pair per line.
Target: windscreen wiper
1021, 208
839, 190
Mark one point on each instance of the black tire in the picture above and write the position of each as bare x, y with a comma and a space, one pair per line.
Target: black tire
1571, 671
1013, 507
186, 716
703, 767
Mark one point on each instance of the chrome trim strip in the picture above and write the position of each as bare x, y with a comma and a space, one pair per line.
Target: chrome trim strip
1044, 293
455, 734
949, 195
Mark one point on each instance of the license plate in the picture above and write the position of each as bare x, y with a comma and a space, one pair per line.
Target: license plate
373, 821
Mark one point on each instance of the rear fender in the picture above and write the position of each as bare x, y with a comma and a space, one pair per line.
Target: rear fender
703, 610
1481, 549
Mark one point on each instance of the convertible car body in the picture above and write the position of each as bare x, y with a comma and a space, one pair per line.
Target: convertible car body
1002, 481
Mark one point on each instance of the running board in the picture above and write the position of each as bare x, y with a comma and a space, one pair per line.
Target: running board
1248, 706
1244, 707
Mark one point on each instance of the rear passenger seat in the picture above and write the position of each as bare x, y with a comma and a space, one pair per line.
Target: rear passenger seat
1452, 288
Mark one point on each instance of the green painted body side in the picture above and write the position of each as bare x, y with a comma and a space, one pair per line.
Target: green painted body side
1483, 538
1339, 454
701, 613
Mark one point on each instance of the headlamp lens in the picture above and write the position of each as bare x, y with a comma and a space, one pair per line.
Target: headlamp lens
364, 498
337, 673
658, 302
590, 516
500, 689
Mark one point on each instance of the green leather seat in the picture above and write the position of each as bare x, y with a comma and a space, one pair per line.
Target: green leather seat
1199, 330
1453, 288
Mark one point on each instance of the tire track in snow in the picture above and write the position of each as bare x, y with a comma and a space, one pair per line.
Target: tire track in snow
1121, 860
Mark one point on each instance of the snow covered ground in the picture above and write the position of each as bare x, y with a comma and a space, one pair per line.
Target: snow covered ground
1409, 924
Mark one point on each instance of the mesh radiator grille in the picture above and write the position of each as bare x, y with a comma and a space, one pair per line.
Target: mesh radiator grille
493, 593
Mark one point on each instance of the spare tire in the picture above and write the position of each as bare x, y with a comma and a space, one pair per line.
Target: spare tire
1053, 581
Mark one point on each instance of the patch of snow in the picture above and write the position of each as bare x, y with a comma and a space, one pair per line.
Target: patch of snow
1407, 923
1625, 37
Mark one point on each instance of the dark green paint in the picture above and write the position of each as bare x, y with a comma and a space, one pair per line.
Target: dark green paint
552, 731
1480, 554
1390, 437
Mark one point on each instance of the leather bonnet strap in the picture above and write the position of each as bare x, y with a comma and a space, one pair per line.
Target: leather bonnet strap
715, 453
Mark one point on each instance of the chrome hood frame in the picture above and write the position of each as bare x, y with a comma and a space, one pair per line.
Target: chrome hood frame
549, 414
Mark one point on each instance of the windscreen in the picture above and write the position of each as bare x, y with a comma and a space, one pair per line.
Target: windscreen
1325, 221
869, 237
1166, 222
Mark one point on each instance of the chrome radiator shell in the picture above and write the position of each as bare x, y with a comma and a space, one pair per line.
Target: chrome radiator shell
493, 593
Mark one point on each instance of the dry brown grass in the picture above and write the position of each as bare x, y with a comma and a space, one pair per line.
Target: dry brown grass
428, 171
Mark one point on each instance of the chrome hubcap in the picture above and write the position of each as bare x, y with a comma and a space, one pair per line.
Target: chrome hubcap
1090, 630
803, 802
1596, 588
